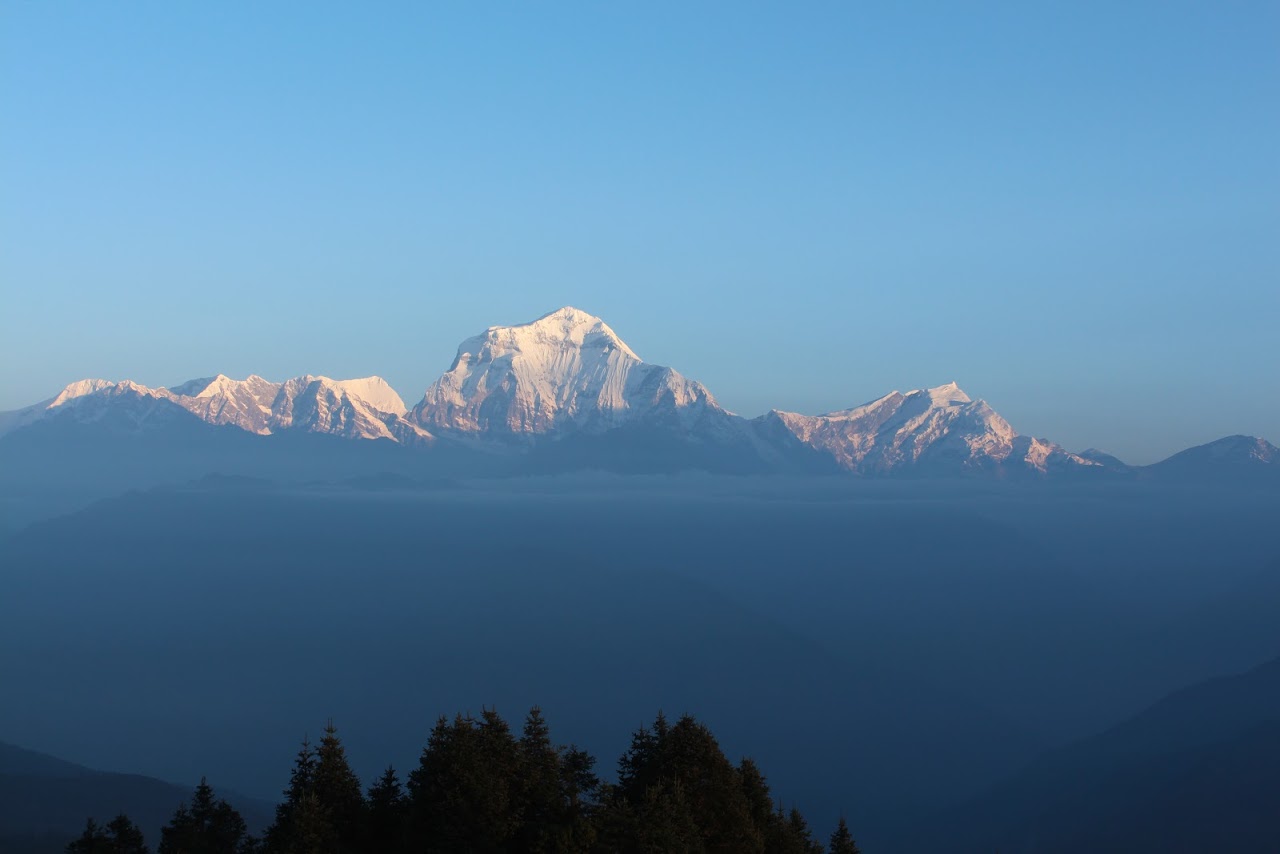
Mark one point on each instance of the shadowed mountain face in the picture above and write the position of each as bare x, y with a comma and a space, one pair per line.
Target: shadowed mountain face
1198, 771
44, 801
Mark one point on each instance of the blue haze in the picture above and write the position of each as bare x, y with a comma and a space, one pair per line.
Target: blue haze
1072, 211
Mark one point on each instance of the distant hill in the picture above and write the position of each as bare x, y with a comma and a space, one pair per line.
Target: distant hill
1247, 458
1199, 771
44, 801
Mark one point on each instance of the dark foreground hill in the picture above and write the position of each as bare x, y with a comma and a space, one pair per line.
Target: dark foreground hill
44, 801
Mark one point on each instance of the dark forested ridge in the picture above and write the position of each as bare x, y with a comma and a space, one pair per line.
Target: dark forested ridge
480, 787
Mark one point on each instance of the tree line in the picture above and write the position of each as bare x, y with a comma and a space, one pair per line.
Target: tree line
478, 787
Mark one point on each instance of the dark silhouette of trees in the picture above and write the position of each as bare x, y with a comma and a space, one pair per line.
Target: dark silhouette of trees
842, 840
555, 792
463, 794
323, 811
338, 795
120, 836
208, 826
94, 840
478, 788
677, 791
387, 810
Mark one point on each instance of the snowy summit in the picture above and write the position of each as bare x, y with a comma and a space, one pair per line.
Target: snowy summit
565, 370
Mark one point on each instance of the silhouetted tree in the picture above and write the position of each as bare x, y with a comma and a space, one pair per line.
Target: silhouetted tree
689, 754
539, 803
301, 826
637, 766
338, 796
666, 822
842, 840
208, 826
120, 836
800, 831
784, 835
462, 795
479, 789
673, 774
773, 827
555, 792
125, 836
94, 840
755, 790
579, 787
385, 824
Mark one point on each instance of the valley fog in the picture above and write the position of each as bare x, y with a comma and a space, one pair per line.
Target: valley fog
885, 649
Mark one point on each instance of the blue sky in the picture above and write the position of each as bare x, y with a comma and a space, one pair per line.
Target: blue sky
1073, 210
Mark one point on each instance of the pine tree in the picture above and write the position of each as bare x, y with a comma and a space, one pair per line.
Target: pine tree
666, 822
384, 828
94, 840
555, 791
800, 831
677, 773
842, 841
463, 794
309, 830
125, 836
539, 805
208, 826
689, 754
299, 821
338, 795
636, 767
579, 789
756, 791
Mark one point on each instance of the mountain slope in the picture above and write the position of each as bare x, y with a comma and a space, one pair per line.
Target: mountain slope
936, 430
365, 408
1237, 457
1198, 771
564, 372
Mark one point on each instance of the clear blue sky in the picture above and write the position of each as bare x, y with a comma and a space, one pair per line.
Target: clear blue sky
1071, 209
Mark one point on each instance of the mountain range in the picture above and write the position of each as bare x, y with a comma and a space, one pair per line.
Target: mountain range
565, 389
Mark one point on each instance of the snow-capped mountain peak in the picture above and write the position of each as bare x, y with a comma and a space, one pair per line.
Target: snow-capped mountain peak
79, 389
566, 328
939, 428
360, 408
343, 407
945, 395
374, 391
